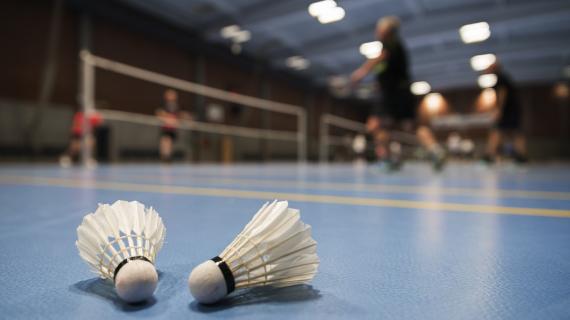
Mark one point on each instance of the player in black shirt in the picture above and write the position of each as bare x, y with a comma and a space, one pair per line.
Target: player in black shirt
508, 117
170, 115
397, 107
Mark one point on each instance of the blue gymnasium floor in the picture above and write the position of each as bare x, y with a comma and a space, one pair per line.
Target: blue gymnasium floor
470, 243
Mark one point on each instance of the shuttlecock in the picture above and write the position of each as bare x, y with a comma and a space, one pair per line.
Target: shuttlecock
120, 242
275, 248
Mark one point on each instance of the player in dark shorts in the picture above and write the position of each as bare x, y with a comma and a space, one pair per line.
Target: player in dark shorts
508, 118
397, 108
170, 115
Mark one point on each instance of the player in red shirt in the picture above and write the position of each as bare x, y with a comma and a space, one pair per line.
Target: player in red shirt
73, 151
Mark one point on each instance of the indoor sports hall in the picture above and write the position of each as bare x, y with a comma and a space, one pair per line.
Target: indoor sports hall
418, 150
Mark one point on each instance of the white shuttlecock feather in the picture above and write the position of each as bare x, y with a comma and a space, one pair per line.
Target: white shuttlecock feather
120, 242
275, 248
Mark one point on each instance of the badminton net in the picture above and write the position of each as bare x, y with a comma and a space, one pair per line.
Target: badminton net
147, 127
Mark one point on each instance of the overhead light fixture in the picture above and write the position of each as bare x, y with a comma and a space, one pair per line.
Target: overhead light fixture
487, 80
326, 11
242, 36
236, 34
420, 88
331, 15
475, 32
434, 102
487, 98
230, 31
371, 49
297, 63
482, 61
317, 8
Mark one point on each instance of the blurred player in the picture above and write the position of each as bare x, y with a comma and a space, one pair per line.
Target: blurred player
508, 114
170, 116
398, 109
73, 151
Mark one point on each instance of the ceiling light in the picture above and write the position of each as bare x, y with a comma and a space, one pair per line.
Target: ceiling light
241, 36
487, 80
317, 8
235, 34
434, 102
331, 15
297, 63
371, 49
475, 32
482, 61
488, 97
420, 88
230, 31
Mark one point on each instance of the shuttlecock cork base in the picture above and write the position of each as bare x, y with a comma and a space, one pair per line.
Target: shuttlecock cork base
211, 281
275, 248
135, 279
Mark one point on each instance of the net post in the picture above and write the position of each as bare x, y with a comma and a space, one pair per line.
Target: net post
87, 105
323, 139
302, 136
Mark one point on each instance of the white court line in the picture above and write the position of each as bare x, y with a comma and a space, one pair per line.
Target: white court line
382, 188
265, 195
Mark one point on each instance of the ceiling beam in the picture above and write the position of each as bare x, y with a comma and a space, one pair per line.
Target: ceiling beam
415, 7
257, 12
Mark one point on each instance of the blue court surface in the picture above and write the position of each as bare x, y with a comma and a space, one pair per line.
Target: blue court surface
470, 243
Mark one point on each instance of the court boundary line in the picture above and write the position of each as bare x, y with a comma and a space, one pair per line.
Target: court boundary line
265, 195
393, 189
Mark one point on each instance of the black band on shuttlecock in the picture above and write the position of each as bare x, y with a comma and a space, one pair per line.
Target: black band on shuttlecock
228, 275
127, 260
